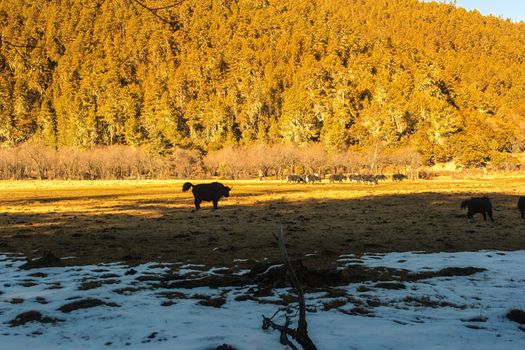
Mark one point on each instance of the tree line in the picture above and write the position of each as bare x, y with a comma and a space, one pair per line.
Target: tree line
35, 160
206, 75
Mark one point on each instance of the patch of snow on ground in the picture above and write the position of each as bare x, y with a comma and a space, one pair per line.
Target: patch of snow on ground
471, 314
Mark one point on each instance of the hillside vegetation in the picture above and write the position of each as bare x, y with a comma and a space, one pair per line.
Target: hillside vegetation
204, 74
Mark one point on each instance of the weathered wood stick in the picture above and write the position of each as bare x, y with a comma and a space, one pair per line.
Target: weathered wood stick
301, 333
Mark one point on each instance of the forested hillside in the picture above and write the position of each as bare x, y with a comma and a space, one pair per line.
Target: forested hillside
204, 74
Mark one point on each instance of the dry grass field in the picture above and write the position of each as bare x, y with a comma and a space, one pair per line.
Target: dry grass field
137, 221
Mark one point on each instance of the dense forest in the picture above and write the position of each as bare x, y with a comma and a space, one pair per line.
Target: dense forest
205, 75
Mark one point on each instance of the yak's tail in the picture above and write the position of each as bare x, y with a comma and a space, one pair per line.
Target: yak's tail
464, 204
186, 186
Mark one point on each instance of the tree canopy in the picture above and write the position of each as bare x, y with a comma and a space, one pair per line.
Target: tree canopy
204, 74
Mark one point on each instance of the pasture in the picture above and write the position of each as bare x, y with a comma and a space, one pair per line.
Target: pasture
140, 255
140, 221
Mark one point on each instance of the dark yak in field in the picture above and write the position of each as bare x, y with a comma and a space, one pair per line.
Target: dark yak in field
398, 177
366, 178
478, 205
369, 179
295, 178
312, 178
381, 177
521, 206
207, 192
337, 177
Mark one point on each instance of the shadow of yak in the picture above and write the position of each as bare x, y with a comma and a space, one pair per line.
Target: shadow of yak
207, 192
478, 205
521, 206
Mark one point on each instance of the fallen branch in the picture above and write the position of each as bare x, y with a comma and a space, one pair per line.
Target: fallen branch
300, 334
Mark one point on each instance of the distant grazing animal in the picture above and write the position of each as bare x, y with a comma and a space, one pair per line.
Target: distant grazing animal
370, 179
521, 206
398, 177
365, 178
336, 177
424, 175
295, 178
207, 192
380, 177
478, 205
312, 178
354, 178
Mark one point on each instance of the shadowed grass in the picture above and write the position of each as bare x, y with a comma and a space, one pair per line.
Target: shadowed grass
154, 221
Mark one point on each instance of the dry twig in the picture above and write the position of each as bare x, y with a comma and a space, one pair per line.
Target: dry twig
300, 334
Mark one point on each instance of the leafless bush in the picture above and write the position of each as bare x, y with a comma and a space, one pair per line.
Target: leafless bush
405, 160
34, 160
355, 162
224, 162
249, 161
284, 159
39, 159
336, 162
185, 163
313, 158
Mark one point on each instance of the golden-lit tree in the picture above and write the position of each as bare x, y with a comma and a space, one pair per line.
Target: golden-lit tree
205, 74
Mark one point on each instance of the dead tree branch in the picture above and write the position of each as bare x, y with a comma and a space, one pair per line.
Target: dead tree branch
16, 48
154, 10
300, 334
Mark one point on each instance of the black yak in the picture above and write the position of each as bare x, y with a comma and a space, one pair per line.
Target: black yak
398, 177
369, 179
354, 178
381, 177
478, 205
521, 206
207, 192
337, 177
295, 178
312, 179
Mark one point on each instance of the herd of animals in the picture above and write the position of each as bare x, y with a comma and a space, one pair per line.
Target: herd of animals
214, 191
362, 178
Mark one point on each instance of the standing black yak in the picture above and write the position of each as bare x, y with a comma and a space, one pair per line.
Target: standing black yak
295, 178
207, 192
478, 205
312, 178
337, 177
521, 206
398, 177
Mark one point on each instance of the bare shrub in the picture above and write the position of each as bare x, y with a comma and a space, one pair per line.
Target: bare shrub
39, 158
185, 163
34, 160
258, 160
355, 162
376, 159
284, 159
405, 160
336, 162
313, 158
216, 162
232, 162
